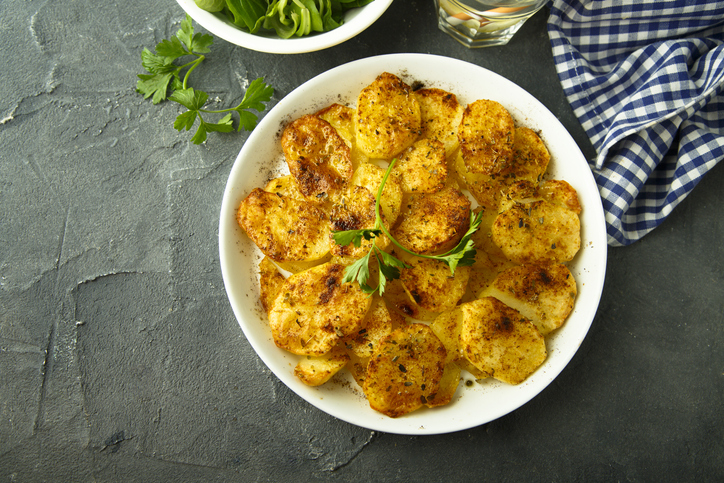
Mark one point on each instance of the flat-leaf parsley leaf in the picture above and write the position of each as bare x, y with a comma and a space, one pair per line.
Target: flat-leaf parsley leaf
463, 254
164, 82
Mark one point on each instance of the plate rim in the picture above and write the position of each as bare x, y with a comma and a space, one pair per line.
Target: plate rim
281, 111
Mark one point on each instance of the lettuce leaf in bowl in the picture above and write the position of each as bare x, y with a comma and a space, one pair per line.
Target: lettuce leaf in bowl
287, 18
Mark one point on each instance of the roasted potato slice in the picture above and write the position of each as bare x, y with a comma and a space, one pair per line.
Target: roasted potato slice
441, 115
355, 212
433, 222
378, 324
447, 326
430, 283
370, 176
499, 341
387, 117
448, 385
314, 310
487, 136
534, 230
400, 300
285, 186
284, 229
317, 157
422, 168
342, 119
316, 370
530, 161
405, 371
542, 293
270, 283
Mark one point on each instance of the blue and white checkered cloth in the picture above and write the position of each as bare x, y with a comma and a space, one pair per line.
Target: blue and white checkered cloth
646, 80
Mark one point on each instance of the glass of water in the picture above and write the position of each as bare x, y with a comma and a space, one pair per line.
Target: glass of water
484, 23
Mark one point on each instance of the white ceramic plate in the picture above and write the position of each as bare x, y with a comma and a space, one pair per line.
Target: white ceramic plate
355, 21
260, 159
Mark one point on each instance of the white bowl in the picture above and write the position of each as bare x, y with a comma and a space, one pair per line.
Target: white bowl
261, 159
355, 21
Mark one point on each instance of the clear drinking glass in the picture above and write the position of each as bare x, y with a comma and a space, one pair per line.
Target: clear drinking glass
484, 23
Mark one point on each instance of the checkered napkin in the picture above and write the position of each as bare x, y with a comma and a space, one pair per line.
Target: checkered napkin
646, 80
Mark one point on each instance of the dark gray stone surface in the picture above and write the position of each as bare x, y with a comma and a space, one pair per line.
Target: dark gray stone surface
120, 358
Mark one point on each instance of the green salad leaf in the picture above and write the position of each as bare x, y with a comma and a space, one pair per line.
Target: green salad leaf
287, 18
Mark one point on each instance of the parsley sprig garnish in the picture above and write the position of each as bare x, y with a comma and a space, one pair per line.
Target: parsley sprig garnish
463, 254
164, 76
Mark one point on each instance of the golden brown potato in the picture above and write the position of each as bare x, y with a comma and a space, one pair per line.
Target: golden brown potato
400, 301
441, 115
387, 118
542, 293
486, 135
283, 228
530, 161
370, 176
499, 341
357, 366
285, 186
314, 310
448, 385
533, 230
430, 283
270, 283
560, 192
317, 157
422, 167
377, 325
405, 371
447, 326
342, 119
316, 370
355, 212
433, 222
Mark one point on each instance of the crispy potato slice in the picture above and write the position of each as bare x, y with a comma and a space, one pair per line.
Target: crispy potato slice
284, 229
447, 326
400, 300
296, 267
486, 135
561, 193
499, 341
422, 168
317, 157
387, 118
316, 370
405, 371
530, 161
270, 283
542, 293
342, 119
355, 212
285, 186
441, 115
378, 324
370, 176
430, 283
534, 230
433, 222
314, 310
357, 366
448, 385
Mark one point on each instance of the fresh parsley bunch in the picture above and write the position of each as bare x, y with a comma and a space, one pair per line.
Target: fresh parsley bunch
463, 254
164, 76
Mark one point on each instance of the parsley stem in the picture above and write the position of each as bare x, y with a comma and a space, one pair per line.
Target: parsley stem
381, 226
193, 65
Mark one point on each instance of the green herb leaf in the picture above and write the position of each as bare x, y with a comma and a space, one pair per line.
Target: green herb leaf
463, 254
164, 76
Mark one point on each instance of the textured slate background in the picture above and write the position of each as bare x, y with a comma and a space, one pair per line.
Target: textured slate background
120, 359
